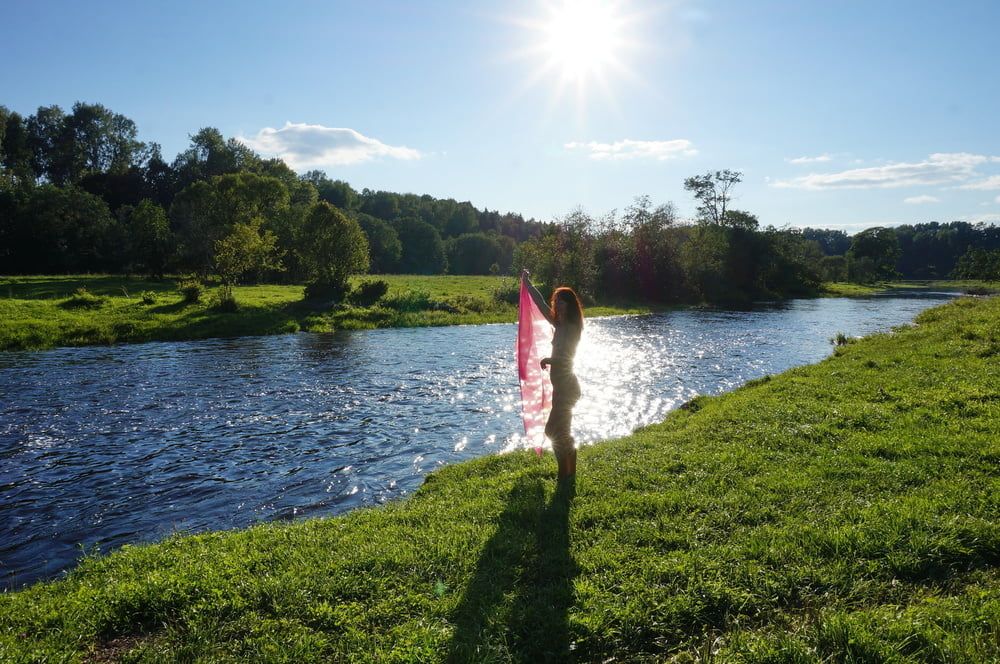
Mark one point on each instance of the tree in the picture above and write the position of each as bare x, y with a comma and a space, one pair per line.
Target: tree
150, 241
334, 192
245, 249
423, 249
873, 255
333, 248
60, 230
473, 253
711, 190
740, 219
50, 154
384, 247
206, 211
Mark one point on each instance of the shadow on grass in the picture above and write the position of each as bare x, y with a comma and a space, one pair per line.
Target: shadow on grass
517, 605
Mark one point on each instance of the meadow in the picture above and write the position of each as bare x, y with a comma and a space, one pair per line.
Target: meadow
844, 511
39, 312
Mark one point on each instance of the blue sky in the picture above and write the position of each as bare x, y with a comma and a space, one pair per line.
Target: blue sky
840, 114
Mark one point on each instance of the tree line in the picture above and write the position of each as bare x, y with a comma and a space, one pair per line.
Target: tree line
79, 192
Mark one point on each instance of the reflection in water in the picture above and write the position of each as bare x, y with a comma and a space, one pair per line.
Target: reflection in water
101, 446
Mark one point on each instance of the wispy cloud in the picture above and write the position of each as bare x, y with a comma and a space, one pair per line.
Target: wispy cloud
938, 169
809, 160
997, 199
304, 146
630, 149
921, 200
990, 183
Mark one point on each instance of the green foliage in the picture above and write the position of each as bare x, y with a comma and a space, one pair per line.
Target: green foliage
423, 249
384, 247
83, 299
873, 255
60, 229
712, 191
246, 249
473, 253
368, 293
191, 290
148, 297
150, 243
979, 264
508, 292
336, 249
842, 512
410, 301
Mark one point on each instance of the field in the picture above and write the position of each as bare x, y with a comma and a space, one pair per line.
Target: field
846, 511
40, 312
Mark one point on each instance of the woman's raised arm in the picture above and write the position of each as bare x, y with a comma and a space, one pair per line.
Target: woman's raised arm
537, 297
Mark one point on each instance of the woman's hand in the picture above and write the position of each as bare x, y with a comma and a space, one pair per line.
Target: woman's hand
546, 361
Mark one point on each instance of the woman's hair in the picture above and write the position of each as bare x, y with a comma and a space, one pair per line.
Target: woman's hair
575, 309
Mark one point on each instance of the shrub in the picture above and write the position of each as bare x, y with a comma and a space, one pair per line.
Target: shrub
83, 299
192, 290
509, 292
333, 292
148, 297
410, 301
368, 293
467, 303
226, 303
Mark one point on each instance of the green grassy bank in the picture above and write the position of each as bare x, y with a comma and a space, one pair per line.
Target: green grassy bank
38, 311
846, 511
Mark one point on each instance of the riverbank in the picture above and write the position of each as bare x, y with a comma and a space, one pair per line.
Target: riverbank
38, 312
848, 510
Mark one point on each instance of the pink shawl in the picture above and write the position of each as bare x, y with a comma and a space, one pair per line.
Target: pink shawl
534, 338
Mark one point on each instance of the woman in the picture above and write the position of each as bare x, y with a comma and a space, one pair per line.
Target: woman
564, 312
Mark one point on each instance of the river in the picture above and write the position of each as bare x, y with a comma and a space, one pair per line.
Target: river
101, 446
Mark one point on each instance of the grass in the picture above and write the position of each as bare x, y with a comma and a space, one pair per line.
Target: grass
45, 311
847, 511
846, 289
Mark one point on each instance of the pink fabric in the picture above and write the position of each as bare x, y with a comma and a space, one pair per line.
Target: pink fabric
534, 339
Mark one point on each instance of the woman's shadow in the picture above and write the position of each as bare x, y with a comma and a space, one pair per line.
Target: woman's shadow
517, 605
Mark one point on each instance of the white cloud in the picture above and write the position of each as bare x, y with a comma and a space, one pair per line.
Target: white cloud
630, 149
938, 169
809, 160
921, 200
304, 146
992, 182
997, 199
984, 218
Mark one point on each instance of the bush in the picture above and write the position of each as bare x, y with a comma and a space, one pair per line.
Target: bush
467, 303
369, 292
332, 292
148, 297
410, 301
226, 303
83, 299
509, 292
192, 290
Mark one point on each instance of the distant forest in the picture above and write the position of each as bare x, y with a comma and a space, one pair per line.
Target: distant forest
79, 192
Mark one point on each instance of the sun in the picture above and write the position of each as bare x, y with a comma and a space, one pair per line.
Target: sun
582, 38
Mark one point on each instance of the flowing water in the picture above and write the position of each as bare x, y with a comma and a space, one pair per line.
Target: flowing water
102, 446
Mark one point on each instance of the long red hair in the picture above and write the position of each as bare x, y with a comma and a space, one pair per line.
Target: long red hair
575, 310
